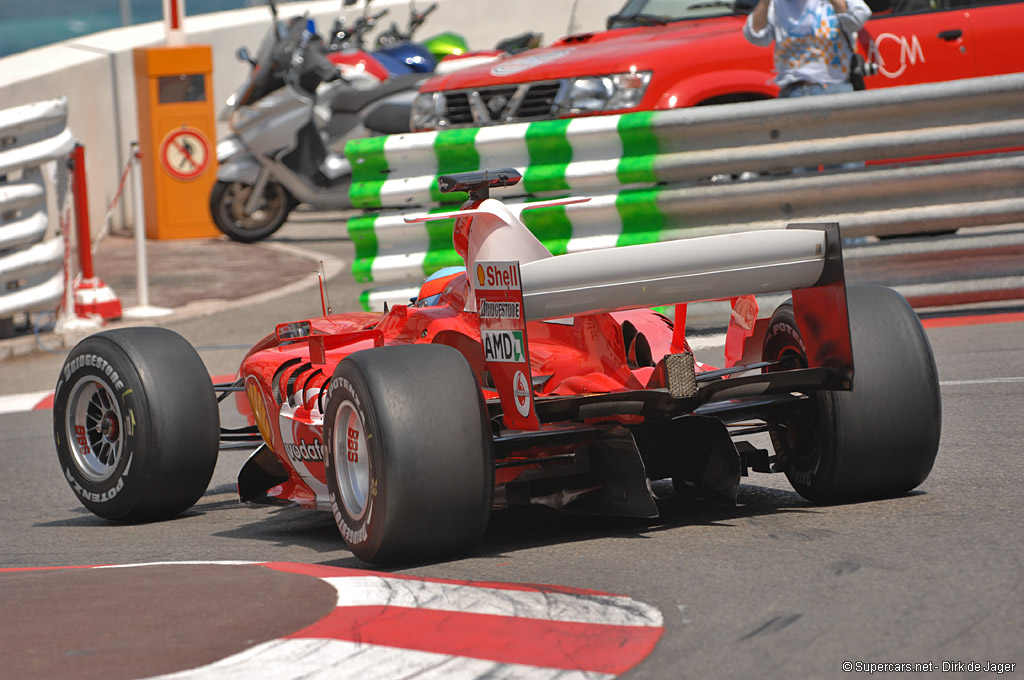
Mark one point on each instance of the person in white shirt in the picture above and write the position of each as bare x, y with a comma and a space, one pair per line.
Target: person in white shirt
813, 42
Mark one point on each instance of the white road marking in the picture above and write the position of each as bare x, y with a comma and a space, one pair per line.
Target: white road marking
368, 591
981, 381
319, 659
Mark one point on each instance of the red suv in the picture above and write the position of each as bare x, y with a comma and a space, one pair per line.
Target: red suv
663, 54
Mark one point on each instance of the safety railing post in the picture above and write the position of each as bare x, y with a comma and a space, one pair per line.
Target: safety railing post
144, 309
142, 283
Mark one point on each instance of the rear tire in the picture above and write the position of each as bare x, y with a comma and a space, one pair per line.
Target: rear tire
136, 424
227, 207
881, 439
410, 458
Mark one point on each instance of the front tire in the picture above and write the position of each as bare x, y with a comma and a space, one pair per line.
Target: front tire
227, 208
410, 459
881, 439
136, 424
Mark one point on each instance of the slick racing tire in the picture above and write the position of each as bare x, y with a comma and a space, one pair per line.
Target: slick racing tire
879, 440
410, 458
227, 207
136, 424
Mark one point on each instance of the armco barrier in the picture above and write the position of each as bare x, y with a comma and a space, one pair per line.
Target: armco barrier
31, 265
646, 171
606, 152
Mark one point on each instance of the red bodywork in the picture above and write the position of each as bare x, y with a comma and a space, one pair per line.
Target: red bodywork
574, 358
284, 377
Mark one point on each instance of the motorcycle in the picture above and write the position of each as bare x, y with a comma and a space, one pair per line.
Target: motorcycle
302, 101
293, 104
398, 43
395, 48
438, 54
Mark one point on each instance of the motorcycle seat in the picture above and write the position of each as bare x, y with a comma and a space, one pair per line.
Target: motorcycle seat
353, 101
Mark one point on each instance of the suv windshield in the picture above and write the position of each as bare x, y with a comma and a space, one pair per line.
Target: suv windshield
657, 12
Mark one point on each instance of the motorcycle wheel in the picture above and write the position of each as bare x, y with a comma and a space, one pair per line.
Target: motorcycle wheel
227, 207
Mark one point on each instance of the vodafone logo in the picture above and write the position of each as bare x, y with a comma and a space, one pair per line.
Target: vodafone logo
521, 392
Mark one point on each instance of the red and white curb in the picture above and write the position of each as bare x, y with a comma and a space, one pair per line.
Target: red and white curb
28, 401
388, 626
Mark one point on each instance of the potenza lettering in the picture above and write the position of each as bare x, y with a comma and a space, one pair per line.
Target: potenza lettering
503, 346
500, 310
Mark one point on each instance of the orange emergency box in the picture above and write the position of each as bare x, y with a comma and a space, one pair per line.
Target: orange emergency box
177, 135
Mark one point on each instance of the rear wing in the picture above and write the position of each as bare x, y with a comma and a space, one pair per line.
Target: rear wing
805, 259
654, 274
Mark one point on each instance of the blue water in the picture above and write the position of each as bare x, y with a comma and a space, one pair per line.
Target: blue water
25, 24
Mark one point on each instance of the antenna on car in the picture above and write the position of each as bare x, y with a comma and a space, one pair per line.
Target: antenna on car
571, 29
325, 301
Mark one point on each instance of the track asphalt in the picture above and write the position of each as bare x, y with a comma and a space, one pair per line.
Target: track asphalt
133, 623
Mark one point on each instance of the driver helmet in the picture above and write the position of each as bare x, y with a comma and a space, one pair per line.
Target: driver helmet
434, 285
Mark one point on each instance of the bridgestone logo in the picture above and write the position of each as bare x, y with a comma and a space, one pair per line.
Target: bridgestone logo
499, 310
97, 362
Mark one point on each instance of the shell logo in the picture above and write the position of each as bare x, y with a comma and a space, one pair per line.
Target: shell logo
259, 409
480, 274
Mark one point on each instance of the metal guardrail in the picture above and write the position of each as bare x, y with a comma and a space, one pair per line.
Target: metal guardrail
649, 173
31, 265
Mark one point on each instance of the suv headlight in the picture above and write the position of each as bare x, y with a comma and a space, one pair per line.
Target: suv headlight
426, 112
607, 93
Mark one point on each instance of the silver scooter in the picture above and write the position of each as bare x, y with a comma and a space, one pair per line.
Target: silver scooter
292, 103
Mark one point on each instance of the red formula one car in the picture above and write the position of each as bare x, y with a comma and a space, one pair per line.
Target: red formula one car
526, 379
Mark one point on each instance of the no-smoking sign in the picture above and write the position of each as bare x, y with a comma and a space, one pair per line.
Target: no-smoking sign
185, 153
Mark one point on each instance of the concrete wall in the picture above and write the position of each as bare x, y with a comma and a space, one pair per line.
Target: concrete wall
96, 73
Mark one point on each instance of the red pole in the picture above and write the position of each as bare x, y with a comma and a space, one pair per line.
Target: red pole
175, 25
82, 211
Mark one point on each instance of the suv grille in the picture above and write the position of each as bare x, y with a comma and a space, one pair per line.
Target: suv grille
501, 104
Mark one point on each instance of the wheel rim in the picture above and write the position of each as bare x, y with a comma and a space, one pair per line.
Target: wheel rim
796, 439
95, 430
352, 460
267, 212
